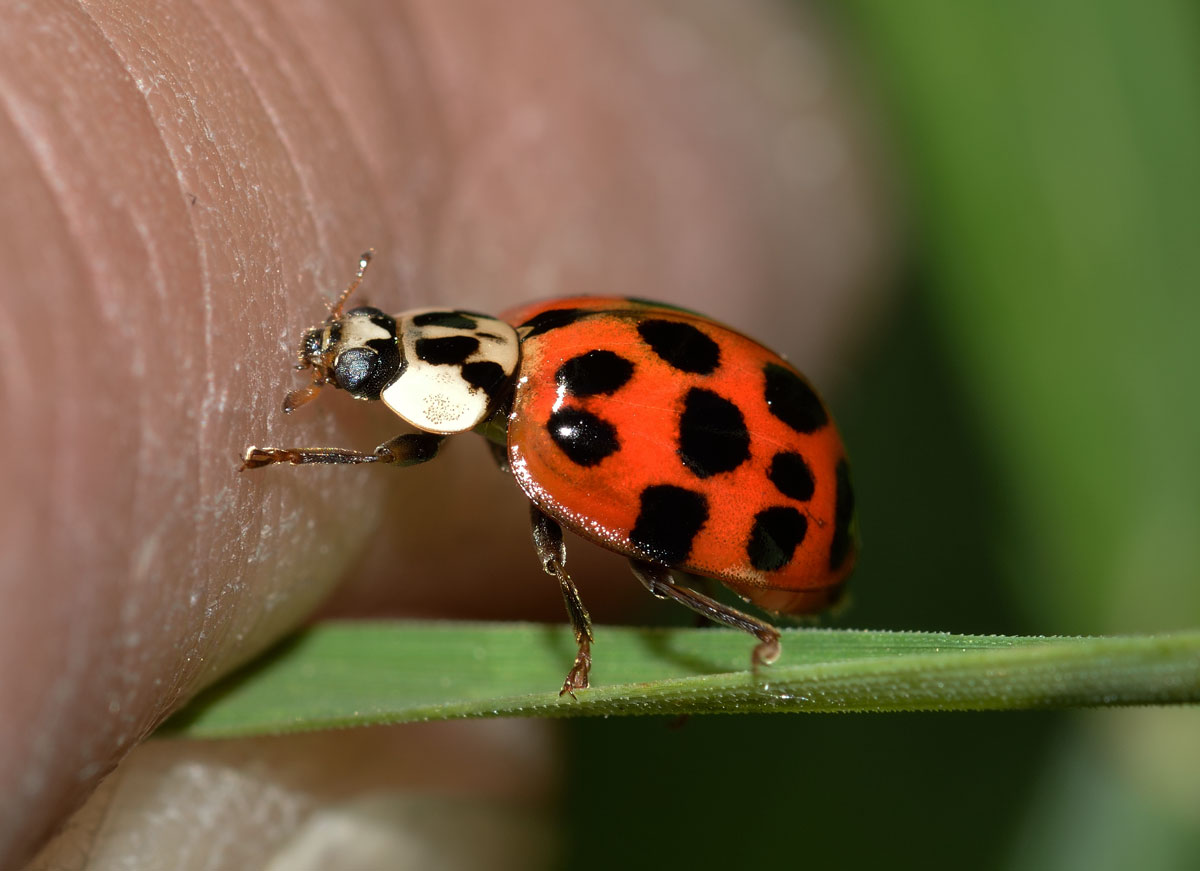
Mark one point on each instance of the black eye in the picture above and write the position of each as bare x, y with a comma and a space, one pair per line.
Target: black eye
353, 369
364, 372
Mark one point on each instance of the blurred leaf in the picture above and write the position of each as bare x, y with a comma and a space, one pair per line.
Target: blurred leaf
1088, 813
1052, 149
346, 674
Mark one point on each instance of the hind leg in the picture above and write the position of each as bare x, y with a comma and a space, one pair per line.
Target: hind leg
657, 579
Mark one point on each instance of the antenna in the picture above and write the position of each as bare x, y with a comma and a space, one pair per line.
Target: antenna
310, 356
335, 310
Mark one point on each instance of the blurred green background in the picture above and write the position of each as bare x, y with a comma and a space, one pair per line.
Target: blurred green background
1026, 444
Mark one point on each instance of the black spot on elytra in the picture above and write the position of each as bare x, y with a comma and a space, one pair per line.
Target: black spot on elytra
681, 345
552, 319
843, 519
774, 537
453, 319
449, 350
792, 400
486, 375
584, 437
596, 373
712, 434
668, 521
791, 476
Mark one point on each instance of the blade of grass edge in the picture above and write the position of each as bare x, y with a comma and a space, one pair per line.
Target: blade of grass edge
337, 675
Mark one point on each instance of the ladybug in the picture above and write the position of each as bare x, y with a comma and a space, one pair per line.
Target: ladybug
649, 429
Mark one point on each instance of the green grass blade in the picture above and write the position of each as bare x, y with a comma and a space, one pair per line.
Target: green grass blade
350, 674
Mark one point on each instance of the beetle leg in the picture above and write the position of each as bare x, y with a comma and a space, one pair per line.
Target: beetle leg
547, 538
657, 579
404, 450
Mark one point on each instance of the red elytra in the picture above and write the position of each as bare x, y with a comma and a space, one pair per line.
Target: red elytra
798, 563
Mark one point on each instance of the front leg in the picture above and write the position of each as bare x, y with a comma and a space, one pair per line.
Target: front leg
547, 538
409, 449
